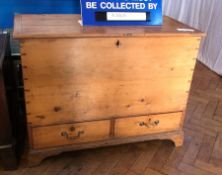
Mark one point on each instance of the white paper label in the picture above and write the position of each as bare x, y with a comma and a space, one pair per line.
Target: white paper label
126, 16
185, 30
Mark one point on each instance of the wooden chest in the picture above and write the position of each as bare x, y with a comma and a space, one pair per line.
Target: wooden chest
95, 86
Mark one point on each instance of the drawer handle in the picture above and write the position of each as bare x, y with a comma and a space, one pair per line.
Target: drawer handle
149, 123
71, 137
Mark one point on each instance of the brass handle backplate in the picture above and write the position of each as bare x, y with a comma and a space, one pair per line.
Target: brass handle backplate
149, 123
72, 134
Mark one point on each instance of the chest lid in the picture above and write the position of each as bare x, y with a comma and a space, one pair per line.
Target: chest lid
67, 26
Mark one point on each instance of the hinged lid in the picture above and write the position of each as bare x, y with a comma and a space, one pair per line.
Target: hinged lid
65, 26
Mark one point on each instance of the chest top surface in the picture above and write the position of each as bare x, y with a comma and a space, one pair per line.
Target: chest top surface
65, 26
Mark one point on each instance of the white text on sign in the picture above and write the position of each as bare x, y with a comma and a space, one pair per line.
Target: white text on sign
121, 5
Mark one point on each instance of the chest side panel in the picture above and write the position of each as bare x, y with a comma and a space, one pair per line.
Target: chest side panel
72, 80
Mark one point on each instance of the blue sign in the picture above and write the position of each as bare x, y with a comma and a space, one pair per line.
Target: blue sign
121, 12
10, 7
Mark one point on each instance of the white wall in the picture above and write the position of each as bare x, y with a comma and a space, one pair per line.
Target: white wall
205, 15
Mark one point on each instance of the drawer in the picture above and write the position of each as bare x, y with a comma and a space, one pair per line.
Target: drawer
135, 126
59, 135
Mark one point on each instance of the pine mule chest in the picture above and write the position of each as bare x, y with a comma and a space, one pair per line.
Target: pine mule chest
89, 87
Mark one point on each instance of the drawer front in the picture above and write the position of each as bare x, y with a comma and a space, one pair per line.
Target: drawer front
143, 125
52, 136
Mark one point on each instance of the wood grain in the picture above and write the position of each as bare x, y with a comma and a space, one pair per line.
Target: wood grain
52, 136
87, 84
54, 26
79, 79
143, 125
201, 153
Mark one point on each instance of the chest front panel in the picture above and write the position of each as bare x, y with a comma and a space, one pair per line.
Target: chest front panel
86, 79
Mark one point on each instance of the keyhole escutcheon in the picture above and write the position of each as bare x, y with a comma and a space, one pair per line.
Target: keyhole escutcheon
118, 43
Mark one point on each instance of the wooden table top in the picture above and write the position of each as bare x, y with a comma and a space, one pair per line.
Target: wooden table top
54, 26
